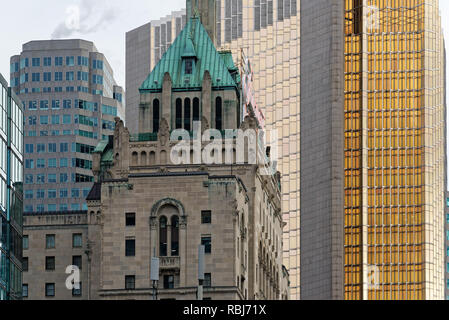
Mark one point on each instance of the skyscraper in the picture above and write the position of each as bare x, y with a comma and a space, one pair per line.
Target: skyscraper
268, 32
373, 150
11, 193
70, 100
145, 46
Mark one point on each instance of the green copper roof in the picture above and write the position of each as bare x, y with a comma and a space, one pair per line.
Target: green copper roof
101, 146
193, 41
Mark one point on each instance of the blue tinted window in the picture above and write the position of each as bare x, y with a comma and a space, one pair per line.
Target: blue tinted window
43, 119
70, 61
58, 61
36, 62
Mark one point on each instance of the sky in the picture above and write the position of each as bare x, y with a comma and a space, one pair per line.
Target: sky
103, 22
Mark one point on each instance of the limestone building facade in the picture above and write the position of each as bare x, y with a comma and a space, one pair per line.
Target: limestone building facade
145, 204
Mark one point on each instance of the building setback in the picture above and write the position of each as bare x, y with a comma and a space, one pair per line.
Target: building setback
146, 205
11, 193
373, 149
268, 32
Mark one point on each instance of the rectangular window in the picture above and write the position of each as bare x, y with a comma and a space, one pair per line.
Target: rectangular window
47, 76
70, 61
55, 119
25, 264
52, 194
50, 241
40, 178
44, 104
206, 241
64, 147
77, 240
130, 282
169, 281
52, 147
40, 163
55, 104
52, 163
207, 280
63, 193
29, 164
25, 243
50, 263
29, 194
63, 178
47, 61
206, 217
43, 120
58, 76
63, 162
40, 194
77, 261
36, 77
36, 62
67, 104
49, 289
25, 290
29, 179
77, 292
130, 246
130, 219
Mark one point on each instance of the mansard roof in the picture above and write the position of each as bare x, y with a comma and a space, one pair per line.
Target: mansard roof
193, 42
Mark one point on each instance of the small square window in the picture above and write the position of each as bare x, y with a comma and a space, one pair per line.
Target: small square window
50, 241
130, 282
206, 241
49, 289
130, 248
206, 217
50, 263
130, 219
77, 240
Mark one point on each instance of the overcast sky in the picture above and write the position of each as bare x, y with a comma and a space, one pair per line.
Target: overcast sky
104, 22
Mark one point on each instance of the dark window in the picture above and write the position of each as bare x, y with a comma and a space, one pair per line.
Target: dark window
206, 217
25, 242
130, 219
156, 115
25, 264
131, 248
207, 280
130, 282
25, 290
49, 263
169, 282
206, 241
77, 292
187, 114
77, 261
196, 109
49, 289
189, 66
175, 236
163, 237
77, 240
50, 241
178, 114
218, 114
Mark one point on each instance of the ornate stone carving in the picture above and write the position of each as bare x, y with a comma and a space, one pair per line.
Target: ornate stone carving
170, 201
164, 132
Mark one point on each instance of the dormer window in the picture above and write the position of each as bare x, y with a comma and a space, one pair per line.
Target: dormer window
189, 66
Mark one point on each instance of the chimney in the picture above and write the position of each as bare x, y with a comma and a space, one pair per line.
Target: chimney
206, 10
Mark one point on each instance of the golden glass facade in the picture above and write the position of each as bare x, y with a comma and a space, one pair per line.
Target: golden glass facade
270, 37
394, 150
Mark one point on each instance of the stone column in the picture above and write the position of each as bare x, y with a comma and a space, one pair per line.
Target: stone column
183, 251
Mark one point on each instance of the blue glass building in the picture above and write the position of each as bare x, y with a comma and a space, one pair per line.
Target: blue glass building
11, 193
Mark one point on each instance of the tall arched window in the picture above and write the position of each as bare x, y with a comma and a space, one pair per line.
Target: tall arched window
156, 115
178, 113
163, 237
174, 236
196, 109
218, 114
187, 114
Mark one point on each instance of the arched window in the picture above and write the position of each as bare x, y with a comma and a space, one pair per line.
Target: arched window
163, 237
218, 114
196, 109
143, 158
187, 114
178, 113
135, 159
156, 115
174, 236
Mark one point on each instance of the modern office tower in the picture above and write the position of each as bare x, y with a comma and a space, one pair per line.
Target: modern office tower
373, 150
268, 32
11, 193
145, 204
145, 45
70, 100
